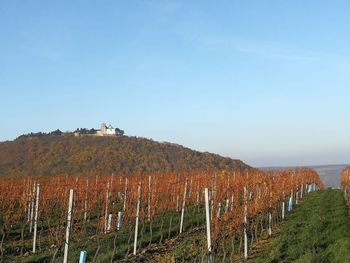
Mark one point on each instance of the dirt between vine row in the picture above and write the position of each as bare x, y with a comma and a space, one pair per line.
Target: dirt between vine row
262, 244
157, 252
161, 252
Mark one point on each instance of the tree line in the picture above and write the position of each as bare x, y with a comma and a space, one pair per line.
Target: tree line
87, 155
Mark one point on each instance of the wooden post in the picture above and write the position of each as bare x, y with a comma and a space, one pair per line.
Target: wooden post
190, 191
177, 203
125, 193
301, 191
83, 255
232, 202
106, 208
69, 224
86, 199
36, 216
109, 223
119, 223
270, 222
149, 199
219, 210
197, 200
137, 217
245, 224
227, 205
283, 208
183, 207
207, 217
214, 187
32, 208
29, 200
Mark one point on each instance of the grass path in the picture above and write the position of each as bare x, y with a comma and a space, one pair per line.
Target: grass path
318, 231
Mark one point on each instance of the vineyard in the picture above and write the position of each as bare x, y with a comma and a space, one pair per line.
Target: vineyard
117, 218
345, 183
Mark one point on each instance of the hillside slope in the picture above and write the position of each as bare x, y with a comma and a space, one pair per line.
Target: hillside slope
66, 154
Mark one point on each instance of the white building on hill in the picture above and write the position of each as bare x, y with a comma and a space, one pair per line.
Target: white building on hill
107, 130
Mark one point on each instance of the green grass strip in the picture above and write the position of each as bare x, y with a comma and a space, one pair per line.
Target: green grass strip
317, 231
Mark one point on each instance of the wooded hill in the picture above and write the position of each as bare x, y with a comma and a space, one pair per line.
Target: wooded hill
90, 155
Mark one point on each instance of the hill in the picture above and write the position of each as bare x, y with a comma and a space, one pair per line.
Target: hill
86, 155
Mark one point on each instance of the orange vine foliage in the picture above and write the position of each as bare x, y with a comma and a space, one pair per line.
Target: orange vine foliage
345, 183
97, 196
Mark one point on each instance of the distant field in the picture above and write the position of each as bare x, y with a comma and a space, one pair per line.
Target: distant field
329, 174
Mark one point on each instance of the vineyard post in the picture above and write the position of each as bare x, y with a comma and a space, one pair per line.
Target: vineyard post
297, 197
232, 203
177, 203
109, 223
283, 206
32, 209
29, 200
183, 207
36, 216
137, 217
190, 191
213, 196
245, 224
302, 189
211, 206
119, 224
125, 193
106, 208
112, 179
207, 216
227, 204
86, 197
83, 255
219, 210
290, 204
68, 228
270, 222
149, 199
214, 187
270, 213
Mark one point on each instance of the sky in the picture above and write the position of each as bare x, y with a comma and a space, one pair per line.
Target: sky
267, 82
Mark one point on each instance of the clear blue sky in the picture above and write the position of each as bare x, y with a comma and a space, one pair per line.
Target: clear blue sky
264, 81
